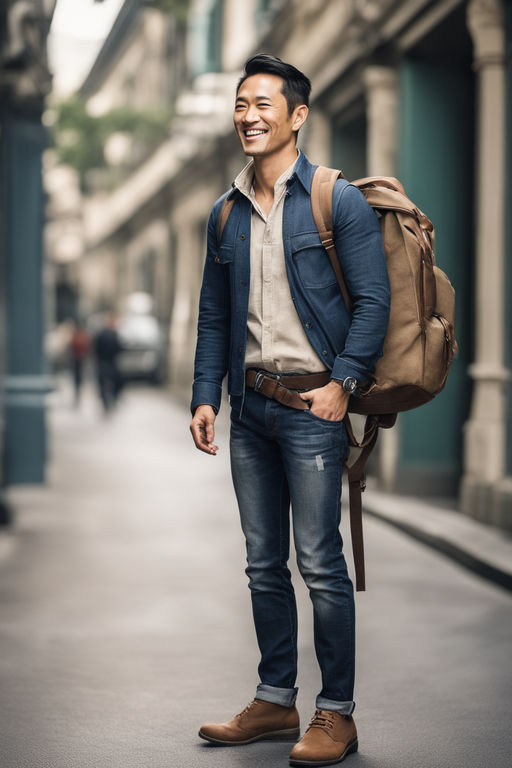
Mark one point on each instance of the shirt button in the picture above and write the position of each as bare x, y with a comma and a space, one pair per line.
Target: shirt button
324, 351
217, 259
242, 237
308, 325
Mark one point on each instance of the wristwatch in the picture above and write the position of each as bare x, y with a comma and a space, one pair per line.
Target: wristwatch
349, 384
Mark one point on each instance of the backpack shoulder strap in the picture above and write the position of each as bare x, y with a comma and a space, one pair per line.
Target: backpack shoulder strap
322, 187
227, 205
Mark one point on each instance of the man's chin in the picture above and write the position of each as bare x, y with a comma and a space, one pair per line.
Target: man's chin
254, 151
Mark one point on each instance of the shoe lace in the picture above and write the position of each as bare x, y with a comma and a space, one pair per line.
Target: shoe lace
250, 706
323, 718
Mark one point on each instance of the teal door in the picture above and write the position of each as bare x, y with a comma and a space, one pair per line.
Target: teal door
435, 163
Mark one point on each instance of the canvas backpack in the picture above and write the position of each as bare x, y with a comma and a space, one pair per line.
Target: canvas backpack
420, 341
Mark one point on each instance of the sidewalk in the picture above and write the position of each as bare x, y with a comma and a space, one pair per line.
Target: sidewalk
125, 618
481, 548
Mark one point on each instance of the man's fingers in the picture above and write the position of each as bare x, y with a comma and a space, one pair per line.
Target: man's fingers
308, 396
210, 432
203, 435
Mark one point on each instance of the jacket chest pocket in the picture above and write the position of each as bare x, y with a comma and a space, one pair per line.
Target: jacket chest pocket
311, 261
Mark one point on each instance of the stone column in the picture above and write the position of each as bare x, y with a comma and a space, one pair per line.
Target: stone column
239, 33
381, 115
315, 136
484, 432
24, 83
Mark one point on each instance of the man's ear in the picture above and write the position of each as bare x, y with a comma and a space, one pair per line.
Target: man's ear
300, 114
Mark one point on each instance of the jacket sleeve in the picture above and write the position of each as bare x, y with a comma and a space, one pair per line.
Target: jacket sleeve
360, 250
213, 327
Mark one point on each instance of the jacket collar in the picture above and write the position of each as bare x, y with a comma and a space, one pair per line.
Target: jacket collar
304, 172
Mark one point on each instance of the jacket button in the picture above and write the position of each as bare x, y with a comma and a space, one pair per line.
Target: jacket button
308, 325
324, 351
217, 259
242, 237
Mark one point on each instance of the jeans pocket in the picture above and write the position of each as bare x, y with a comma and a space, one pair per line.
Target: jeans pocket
323, 421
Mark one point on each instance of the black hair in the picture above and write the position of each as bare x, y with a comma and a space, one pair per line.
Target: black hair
296, 86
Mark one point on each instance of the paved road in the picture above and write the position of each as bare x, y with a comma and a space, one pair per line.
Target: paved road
125, 617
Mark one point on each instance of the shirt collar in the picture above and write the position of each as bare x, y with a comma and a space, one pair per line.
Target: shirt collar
244, 182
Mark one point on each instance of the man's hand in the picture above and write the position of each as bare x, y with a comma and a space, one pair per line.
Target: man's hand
329, 402
202, 429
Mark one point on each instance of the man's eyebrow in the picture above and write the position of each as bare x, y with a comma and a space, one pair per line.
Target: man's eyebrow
258, 98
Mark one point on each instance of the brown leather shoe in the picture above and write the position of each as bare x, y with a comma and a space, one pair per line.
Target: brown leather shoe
329, 738
259, 720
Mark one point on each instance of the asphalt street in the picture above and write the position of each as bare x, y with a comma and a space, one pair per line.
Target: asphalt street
125, 616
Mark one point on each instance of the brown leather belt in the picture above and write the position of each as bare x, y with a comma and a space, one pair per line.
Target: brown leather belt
281, 388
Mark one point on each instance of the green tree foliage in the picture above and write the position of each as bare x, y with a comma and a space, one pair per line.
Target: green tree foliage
177, 8
80, 137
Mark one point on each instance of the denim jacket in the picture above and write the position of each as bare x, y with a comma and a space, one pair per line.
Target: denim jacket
348, 344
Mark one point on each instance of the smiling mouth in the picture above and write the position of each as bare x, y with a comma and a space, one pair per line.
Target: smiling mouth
253, 132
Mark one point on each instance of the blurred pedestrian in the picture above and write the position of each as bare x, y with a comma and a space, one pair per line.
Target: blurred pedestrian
107, 346
271, 313
80, 345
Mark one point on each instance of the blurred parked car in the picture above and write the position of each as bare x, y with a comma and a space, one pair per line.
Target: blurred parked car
144, 354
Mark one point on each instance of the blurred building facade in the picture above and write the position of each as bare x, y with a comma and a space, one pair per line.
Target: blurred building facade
24, 83
421, 90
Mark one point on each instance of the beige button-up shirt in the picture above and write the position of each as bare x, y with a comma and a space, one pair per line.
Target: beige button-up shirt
276, 340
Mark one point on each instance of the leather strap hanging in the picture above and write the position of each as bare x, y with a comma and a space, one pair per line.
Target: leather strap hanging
357, 484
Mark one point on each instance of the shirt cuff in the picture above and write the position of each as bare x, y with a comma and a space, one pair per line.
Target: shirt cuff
343, 368
206, 393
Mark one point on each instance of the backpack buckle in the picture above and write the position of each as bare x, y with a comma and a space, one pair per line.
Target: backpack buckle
327, 243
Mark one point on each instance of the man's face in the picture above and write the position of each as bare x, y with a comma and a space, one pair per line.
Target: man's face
261, 116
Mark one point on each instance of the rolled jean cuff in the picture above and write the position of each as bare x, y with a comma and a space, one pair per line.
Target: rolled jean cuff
283, 696
343, 707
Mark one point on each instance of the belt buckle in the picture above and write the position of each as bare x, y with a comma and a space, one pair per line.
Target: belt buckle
260, 378
258, 381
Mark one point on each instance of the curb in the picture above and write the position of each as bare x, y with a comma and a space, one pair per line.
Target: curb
432, 535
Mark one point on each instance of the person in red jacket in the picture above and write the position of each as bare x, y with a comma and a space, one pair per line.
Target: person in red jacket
80, 346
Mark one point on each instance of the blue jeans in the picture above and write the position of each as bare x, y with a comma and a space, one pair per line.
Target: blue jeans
281, 455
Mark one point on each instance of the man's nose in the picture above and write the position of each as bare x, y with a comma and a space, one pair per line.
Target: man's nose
252, 116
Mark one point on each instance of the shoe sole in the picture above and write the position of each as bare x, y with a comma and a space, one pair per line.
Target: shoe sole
289, 734
352, 747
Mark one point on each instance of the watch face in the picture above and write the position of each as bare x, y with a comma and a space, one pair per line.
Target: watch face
350, 384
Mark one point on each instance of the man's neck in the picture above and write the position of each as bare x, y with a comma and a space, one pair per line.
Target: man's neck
267, 170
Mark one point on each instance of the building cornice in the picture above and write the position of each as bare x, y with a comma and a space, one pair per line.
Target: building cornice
399, 24
126, 21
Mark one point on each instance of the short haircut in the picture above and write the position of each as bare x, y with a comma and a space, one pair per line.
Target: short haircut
296, 86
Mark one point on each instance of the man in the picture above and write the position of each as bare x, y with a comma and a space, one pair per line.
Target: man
107, 347
272, 316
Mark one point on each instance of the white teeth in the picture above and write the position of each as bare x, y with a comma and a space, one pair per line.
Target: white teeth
254, 132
